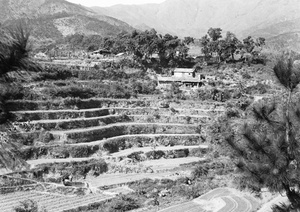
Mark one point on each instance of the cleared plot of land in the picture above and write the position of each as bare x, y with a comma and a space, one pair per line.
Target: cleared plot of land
122, 178
52, 203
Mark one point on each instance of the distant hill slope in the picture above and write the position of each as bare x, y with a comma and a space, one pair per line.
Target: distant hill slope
267, 18
54, 19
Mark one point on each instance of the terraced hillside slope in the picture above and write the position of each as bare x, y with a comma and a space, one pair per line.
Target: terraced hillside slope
115, 140
105, 142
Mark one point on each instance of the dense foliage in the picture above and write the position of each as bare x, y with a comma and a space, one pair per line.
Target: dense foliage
267, 147
214, 47
14, 50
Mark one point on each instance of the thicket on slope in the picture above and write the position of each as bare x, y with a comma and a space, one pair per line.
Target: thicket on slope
267, 147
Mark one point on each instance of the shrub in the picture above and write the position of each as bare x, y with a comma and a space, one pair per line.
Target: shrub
45, 137
124, 203
187, 191
232, 112
70, 91
156, 154
245, 75
28, 206
55, 72
199, 171
135, 156
16, 91
113, 146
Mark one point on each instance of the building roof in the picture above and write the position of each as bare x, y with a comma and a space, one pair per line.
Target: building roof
184, 70
176, 79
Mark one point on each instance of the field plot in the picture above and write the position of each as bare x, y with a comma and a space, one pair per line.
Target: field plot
52, 203
218, 200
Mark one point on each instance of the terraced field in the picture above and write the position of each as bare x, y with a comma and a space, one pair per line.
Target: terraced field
51, 202
135, 138
110, 132
218, 200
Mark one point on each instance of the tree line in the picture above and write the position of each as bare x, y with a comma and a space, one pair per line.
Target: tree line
153, 49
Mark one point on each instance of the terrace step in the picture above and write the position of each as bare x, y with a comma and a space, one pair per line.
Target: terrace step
24, 105
149, 153
31, 115
66, 124
140, 140
163, 168
74, 123
82, 135
97, 133
127, 152
17, 105
34, 163
116, 143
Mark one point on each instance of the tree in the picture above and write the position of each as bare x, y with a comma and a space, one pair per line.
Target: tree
267, 148
231, 45
14, 50
188, 40
215, 33
14, 56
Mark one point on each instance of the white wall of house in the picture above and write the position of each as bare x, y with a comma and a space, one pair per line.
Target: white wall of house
180, 74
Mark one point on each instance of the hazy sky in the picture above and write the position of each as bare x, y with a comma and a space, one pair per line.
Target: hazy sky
107, 3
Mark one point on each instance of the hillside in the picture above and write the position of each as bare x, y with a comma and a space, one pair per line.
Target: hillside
193, 17
54, 19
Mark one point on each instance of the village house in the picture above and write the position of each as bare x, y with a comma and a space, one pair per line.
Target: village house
184, 72
186, 77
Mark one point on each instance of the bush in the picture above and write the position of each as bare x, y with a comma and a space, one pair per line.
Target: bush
28, 206
55, 72
16, 91
136, 156
124, 203
259, 88
113, 146
199, 171
70, 91
156, 154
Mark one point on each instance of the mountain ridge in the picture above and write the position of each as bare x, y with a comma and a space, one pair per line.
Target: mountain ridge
51, 20
194, 17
